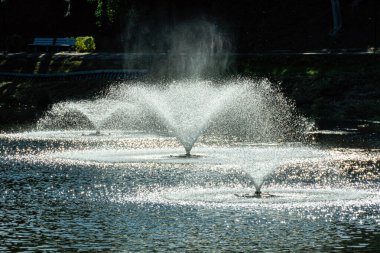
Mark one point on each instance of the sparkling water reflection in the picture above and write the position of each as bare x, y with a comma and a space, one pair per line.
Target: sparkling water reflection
52, 203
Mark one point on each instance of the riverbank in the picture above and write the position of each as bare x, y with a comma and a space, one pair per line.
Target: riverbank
336, 87
326, 86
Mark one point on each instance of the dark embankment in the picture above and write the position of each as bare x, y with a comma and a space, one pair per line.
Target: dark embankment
325, 87
24, 99
334, 87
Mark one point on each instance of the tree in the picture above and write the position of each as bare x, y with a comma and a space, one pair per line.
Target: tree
337, 17
108, 12
68, 8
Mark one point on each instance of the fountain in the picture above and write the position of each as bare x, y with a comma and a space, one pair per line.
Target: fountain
134, 189
234, 108
79, 114
186, 108
244, 109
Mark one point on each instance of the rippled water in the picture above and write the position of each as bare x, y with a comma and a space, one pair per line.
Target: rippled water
70, 191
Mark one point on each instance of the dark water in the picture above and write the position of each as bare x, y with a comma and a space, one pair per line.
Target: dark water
52, 206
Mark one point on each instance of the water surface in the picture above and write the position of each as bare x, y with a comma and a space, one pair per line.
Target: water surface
54, 201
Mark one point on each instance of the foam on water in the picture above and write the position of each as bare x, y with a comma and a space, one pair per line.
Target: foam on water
282, 197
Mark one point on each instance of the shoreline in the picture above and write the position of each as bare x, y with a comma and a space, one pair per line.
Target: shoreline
324, 86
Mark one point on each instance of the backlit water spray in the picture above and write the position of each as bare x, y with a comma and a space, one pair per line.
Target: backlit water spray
243, 109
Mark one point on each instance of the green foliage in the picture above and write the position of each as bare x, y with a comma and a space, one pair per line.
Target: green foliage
107, 12
85, 44
312, 72
280, 71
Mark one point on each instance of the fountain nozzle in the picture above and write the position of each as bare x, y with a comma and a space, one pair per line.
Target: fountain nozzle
188, 152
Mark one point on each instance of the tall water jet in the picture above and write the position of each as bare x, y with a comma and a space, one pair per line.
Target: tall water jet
198, 49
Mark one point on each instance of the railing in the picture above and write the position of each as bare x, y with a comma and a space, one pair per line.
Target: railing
90, 74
